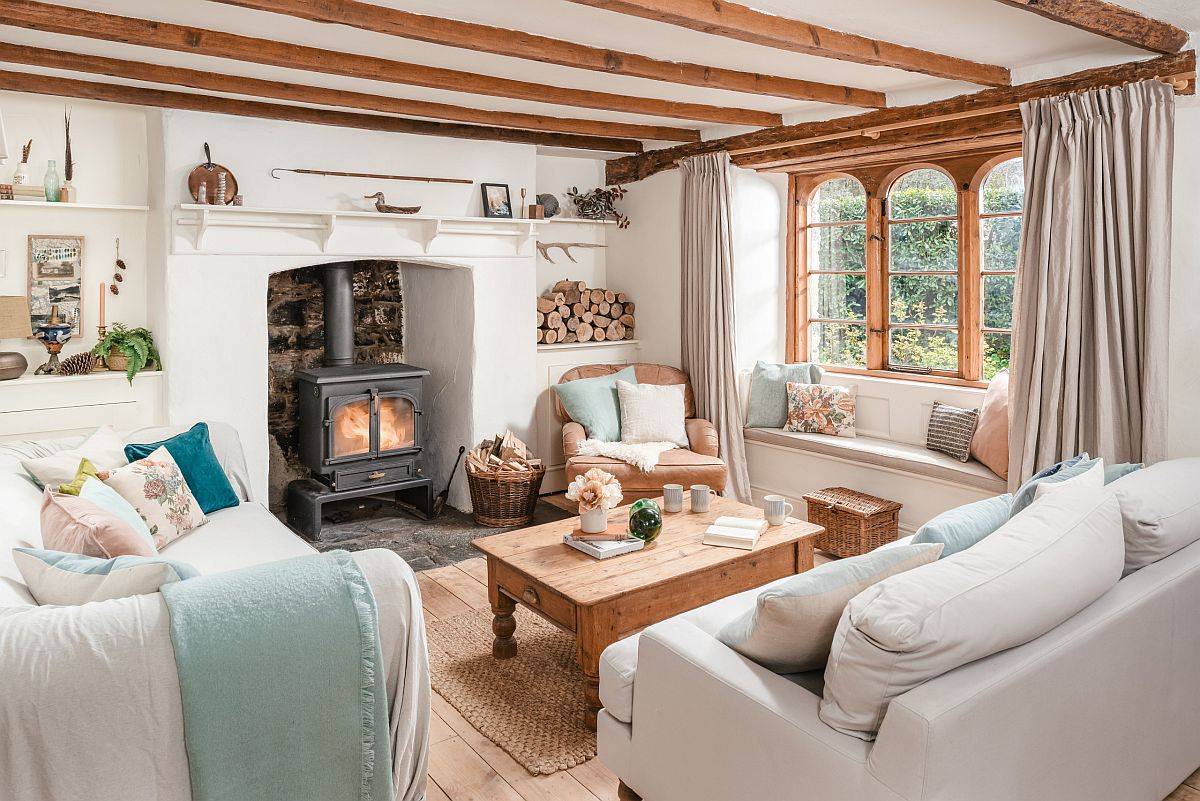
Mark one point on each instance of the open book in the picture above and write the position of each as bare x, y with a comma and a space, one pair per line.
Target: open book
735, 532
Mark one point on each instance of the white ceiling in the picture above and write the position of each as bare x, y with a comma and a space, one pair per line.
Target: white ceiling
980, 30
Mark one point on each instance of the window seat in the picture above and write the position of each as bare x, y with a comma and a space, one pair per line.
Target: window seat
899, 456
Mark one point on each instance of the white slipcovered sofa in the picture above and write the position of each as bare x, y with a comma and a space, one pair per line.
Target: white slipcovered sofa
89, 695
1103, 707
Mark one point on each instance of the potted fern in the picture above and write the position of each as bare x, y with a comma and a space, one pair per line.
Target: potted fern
128, 349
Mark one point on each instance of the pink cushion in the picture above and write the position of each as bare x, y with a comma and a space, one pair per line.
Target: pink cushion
990, 443
73, 525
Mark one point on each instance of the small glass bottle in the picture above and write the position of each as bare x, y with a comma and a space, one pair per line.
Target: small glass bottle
202, 194
53, 182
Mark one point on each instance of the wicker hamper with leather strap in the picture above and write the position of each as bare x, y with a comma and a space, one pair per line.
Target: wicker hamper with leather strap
854, 522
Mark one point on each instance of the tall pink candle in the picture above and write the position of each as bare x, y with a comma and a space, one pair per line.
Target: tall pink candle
101, 304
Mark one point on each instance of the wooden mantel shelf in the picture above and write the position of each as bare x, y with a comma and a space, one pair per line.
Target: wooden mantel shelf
423, 229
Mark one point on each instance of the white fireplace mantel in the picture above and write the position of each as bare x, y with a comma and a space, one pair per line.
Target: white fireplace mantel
243, 230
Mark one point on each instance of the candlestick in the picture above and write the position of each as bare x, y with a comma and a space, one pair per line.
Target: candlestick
102, 293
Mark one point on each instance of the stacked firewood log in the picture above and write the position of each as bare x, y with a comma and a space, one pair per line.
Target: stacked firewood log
504, 454
574, 312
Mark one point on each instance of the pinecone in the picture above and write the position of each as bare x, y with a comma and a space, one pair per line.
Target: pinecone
79, 364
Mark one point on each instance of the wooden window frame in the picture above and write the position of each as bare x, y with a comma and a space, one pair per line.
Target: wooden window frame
967, 172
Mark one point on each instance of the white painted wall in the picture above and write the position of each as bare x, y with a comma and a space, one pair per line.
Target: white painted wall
555, 176
1183, 423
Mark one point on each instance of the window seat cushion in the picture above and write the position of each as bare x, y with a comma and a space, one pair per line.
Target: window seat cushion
885, 453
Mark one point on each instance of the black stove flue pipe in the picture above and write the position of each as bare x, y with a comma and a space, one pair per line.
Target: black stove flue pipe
339, 315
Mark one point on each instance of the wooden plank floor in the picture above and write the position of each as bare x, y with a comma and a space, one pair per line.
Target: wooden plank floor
466, 766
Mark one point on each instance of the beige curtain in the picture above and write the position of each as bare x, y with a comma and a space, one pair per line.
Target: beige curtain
708, 319
1090, 340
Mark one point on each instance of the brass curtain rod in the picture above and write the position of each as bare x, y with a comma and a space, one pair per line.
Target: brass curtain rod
371, 175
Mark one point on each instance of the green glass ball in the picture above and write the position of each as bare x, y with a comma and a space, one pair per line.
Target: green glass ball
645, 523
643, 504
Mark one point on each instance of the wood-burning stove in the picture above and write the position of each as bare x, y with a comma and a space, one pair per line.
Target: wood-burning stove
361, 425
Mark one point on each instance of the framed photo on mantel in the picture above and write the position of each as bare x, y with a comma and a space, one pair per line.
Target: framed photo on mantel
496, 202
56, 278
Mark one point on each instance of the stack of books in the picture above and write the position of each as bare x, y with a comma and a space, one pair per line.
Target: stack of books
603, 546
22, 192
735, 532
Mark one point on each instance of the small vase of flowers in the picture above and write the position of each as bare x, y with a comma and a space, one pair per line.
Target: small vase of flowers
596, 492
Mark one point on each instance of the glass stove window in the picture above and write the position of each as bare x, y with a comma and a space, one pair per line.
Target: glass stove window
351, 425
396, 424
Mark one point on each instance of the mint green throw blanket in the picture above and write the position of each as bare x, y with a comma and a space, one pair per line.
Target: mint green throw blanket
281, 677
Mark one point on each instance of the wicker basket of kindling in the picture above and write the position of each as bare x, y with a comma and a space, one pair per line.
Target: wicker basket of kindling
854, 522
504, 481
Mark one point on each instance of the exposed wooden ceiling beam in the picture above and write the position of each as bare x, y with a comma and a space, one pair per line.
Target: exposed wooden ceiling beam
735, 21
518, 44
140, 96
1181, 66
323, 96
1112, 21
198, 41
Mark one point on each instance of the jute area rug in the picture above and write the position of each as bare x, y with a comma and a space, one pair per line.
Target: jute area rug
532, 705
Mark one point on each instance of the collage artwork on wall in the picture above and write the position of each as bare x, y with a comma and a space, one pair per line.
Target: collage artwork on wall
55, 278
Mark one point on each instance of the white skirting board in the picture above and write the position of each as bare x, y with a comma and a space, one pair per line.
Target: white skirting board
33, 407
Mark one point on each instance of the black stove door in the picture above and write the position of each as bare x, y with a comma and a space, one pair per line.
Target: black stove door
396, 420
349, 428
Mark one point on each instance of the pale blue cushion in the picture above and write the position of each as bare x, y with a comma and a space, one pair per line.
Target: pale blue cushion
71, 579
1114, 471
962, 527
593, 403
768, 391
1069, 468
110, 500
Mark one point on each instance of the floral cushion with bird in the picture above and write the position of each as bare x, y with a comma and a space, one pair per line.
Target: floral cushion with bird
821, 409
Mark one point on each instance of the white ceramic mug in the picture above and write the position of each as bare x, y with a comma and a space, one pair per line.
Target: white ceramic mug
701, 493
776, 509
672, 497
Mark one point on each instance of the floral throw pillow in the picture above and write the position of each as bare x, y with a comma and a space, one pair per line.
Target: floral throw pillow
821, 409
155, 487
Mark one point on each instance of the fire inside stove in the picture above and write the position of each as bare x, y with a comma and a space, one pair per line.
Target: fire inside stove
352, 426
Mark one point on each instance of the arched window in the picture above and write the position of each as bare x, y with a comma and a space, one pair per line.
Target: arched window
837, 278
922, 272
1000, 201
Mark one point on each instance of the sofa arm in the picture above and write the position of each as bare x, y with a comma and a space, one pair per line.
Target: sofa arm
702, 437
573, 434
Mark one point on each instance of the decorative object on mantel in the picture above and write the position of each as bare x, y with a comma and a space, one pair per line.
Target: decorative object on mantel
382, 206
596, 492
599, 204
544, 249
113, 288
535, 211
79, 364
21, 174
496, 202
549, 204
381, 176
129, 349
573, 312
53, 334
207, 176
20, 192
55, 275
68, 193
52, 182
14, 324
523, 208
504, 480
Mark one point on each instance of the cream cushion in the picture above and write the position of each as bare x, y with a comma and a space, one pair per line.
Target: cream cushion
1160, 510
104, 448
1046, 564
652, 413
1092, 477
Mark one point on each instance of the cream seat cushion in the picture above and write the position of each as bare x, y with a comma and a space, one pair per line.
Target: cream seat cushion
239, 536
1046, 564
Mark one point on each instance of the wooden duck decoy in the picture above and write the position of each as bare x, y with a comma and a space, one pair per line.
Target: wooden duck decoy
382, 206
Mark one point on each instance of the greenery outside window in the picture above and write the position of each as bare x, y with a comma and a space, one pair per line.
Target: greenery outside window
1000, 202
837, 278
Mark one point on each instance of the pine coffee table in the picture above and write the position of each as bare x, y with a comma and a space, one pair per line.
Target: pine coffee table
601, 601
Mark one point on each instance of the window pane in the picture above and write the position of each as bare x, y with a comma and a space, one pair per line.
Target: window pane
924, 246
838, 199
841, 247
1004, 188
1001, 242
918, 347
924, 299
998, 300
838, 343
838, 297
922, 193
996, 351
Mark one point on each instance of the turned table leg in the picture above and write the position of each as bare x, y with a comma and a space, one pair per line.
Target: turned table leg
591, 698
504, 625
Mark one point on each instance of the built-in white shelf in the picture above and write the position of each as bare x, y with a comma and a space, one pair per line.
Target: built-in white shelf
608, 343
577, 221
29, 379
72, 206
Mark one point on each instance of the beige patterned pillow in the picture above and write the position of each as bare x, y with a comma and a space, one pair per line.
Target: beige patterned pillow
155, 487
821, 409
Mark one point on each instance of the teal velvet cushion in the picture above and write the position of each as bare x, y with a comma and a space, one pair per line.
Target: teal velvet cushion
960, 528
193, 452
768, 391
593, 403
1069, 468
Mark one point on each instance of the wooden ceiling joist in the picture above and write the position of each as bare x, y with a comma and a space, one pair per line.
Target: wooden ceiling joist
746, 24
51, 18
1179, 69
140, 96
323, 96
519, 44
1112, 21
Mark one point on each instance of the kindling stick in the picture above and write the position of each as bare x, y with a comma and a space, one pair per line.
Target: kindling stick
372, 175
